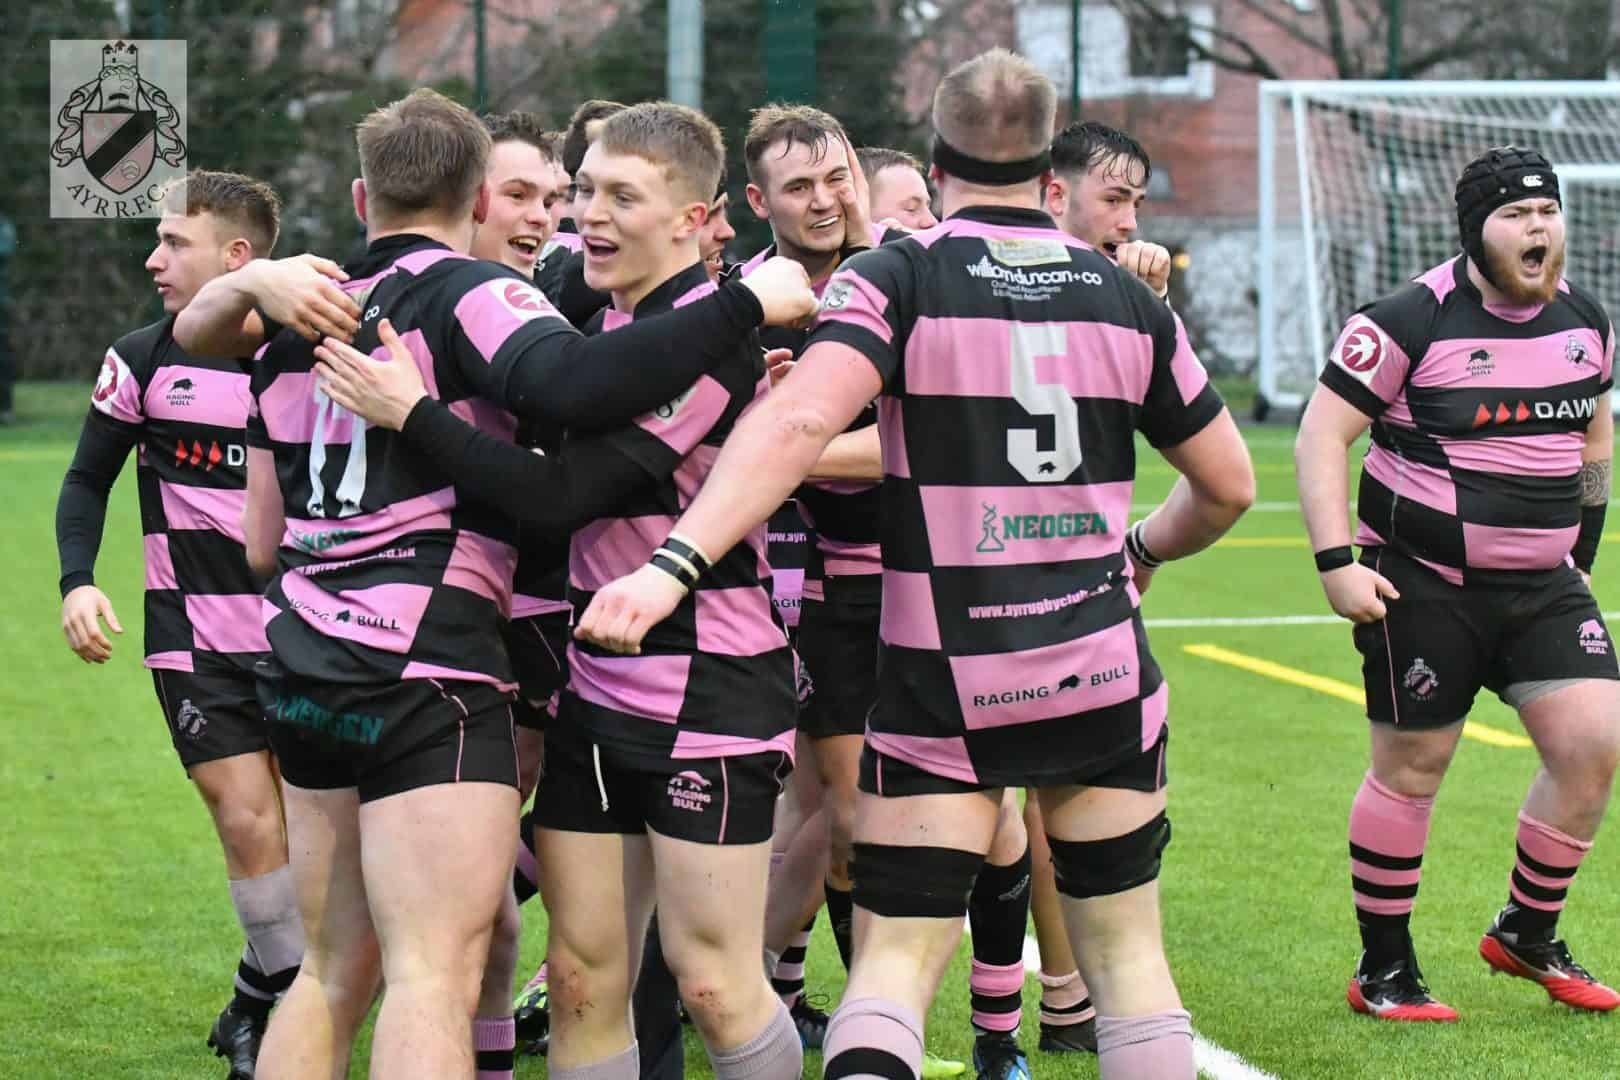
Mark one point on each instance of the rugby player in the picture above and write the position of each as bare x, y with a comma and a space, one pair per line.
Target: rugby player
799, 166
1013, 652
641, 223
1486, 382
388, 687
1099, 181
203, 632
899, 188
583, 128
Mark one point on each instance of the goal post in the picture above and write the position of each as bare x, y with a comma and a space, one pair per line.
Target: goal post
1355, 196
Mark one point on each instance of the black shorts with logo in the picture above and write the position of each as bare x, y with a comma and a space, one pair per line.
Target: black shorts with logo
210, 716
838, 646
591, 787
889, 777
384, 740
1424, 662
538, 646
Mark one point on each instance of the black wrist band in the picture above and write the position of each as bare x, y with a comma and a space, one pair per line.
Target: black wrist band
683, 550
1333, 558
1137, 548
673, 569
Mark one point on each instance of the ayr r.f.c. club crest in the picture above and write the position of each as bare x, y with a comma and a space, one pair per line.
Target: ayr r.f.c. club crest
118, 123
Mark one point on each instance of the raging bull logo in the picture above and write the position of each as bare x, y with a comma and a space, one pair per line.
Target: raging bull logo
688, 790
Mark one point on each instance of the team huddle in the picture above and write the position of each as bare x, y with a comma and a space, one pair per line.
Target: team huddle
774, 583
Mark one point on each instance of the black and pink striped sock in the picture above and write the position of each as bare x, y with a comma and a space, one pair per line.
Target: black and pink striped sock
998, 913
495, 1045
1539, 884
788, 979
1388, 832
873, 1038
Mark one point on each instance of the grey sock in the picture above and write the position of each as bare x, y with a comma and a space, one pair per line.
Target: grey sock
625, 1065
774, 1054
267, 908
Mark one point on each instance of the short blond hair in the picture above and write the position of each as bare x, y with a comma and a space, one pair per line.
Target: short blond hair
996, 107
790, 124
422, 154
682, 142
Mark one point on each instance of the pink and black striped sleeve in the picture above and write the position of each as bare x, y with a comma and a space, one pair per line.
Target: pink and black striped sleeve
866, 306
514, 348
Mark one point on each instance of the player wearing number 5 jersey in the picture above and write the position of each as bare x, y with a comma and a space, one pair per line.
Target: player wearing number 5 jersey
1015, 366
388, 687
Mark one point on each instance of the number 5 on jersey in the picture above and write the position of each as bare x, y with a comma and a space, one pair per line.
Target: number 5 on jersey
1038, 466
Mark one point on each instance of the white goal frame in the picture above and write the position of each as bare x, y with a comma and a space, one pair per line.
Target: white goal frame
1284, 104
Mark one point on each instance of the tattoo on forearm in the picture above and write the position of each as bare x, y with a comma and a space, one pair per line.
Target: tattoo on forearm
1595, 482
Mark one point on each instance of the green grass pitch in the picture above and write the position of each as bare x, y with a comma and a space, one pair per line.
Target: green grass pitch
118, 941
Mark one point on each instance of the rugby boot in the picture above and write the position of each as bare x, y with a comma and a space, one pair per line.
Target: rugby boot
1547, 963
531, 1015
1396, 992
935, 1067
1069, 1038
810, 1021
996, 1056
236, 1037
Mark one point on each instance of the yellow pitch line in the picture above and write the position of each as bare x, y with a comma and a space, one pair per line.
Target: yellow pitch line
1334, 688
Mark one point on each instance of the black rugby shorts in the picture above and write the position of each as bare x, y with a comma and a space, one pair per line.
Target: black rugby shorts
210, 716
384, 740
1440, 643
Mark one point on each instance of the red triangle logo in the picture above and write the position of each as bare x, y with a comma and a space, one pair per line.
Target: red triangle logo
1522, 413
1482, 417
1502, 413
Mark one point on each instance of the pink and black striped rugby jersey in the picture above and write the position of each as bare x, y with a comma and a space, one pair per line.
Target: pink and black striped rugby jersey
1479, 416
1017, 364
387, 570
843, 514
715, 679
202, 606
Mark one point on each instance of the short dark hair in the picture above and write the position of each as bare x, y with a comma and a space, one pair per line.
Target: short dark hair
790, 124
874, 159
1086, 144
575, 141
519, 126
240, 202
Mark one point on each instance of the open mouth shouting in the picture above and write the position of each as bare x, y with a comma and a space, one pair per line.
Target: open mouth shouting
526, 245
1533, 259
598, 249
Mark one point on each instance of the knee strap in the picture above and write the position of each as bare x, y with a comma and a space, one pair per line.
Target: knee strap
913, 882
1087, 868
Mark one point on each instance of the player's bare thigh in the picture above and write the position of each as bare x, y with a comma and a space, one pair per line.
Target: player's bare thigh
903, 959
436, 859
243, 798
713, 946
599, 895
1117, 937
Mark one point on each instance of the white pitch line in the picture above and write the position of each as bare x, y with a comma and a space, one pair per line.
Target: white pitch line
1221, 1064
1214, 1060
1263, 621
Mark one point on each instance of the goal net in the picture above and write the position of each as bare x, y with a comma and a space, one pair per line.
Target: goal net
1356, 182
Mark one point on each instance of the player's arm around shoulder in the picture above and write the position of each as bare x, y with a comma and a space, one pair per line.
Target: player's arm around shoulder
224, 318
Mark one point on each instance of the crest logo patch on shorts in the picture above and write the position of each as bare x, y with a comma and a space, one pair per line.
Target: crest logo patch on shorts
1593, 637
190, 720
1420, 680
